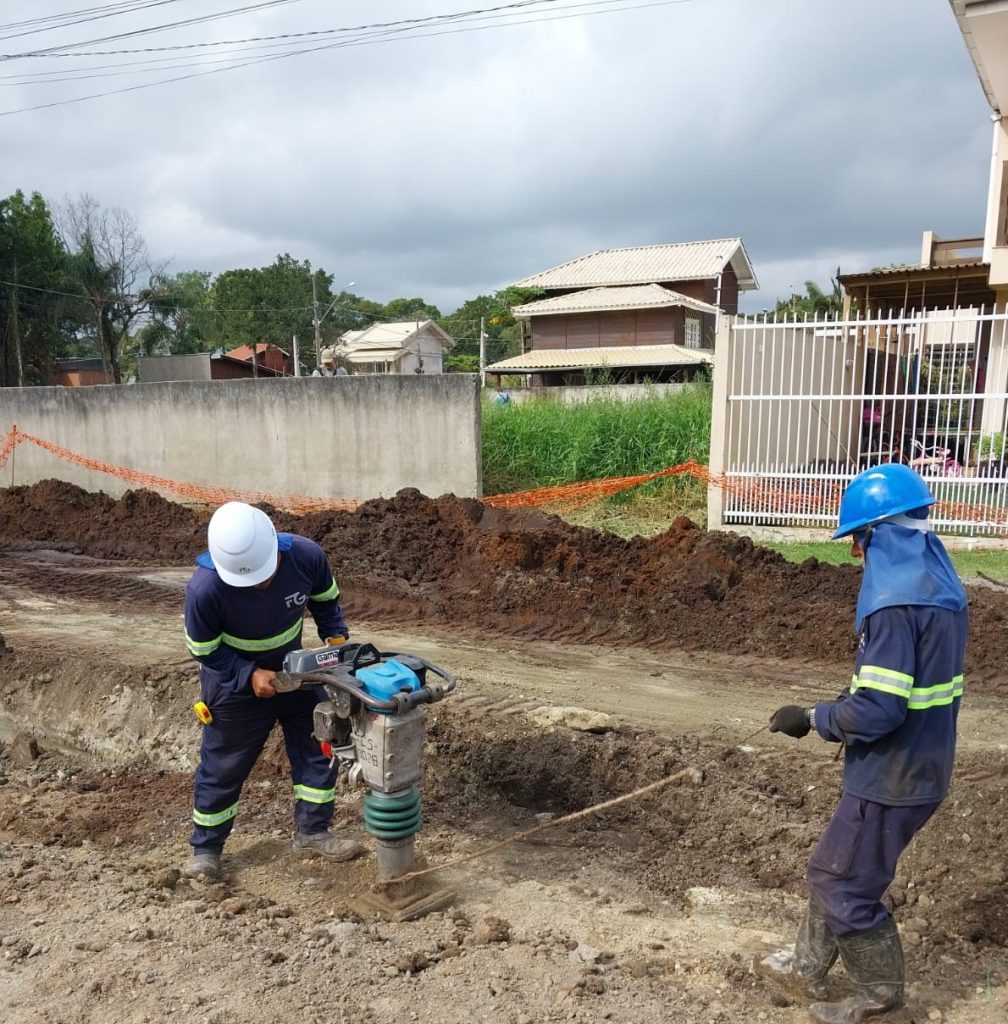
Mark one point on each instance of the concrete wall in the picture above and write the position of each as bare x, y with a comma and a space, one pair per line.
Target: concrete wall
340, 437
578, 395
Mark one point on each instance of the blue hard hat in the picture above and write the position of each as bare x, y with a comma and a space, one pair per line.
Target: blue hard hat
880, 492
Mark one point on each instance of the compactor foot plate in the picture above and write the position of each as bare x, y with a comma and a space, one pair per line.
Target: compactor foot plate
391, 906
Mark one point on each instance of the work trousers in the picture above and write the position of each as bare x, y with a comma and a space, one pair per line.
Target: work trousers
855, 860
231, 744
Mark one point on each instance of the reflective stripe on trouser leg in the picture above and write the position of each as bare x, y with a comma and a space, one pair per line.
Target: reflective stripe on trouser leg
229, 747
314, 781
855, 860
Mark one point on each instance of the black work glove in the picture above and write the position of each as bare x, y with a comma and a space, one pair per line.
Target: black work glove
792, 720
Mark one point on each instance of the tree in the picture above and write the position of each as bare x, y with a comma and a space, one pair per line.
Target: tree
815, 303
182, 318
267, 304
503, 331
31, 271
107, 259
401, 310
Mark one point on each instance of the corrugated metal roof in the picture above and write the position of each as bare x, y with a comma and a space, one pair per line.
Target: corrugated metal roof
374, 355
645, 264
396, 335
951, 270
618, 356
595, 300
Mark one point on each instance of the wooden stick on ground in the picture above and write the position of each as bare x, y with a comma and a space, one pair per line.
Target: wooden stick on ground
694, 775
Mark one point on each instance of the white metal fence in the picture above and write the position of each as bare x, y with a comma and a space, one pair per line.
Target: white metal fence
804, 406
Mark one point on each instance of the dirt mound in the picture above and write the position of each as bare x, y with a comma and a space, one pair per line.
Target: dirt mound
522, 573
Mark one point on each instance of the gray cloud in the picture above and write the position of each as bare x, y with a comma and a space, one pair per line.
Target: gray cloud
824, 133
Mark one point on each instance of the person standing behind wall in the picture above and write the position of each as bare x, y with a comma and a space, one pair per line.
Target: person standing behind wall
328, 367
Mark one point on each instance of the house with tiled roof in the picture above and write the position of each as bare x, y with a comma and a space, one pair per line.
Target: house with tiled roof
270, 357
640, 313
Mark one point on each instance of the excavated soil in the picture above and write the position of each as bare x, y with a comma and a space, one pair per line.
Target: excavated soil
648, 912
525, 574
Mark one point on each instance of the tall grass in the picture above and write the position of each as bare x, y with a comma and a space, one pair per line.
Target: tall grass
541, 443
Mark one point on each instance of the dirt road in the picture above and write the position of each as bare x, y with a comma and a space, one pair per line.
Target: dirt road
649, 913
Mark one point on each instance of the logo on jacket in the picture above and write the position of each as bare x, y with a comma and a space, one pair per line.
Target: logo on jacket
295, 600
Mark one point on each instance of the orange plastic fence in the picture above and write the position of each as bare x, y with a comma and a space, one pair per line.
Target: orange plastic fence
192, 492
798, 497
575, 495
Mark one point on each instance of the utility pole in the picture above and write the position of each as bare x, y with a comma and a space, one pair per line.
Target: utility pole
297, 358
255, 360
482, 354
317, 322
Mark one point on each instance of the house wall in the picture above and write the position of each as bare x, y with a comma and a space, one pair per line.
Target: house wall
578, 395
79, 378
706, 290
340, 437
996, 224
432, 352
229, 369
618, 327
155, 369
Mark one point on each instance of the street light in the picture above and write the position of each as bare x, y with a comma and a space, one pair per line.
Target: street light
317, 320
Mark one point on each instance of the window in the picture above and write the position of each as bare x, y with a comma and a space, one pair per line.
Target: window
692, 330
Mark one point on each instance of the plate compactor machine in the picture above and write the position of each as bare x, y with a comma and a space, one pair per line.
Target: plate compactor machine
372, 726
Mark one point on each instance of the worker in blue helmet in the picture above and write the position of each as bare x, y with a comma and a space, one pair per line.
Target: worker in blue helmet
898, 723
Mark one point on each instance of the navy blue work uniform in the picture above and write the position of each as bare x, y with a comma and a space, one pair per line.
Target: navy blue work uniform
898, 722
232, 631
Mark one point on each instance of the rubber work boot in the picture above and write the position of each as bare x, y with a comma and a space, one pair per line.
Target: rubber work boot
207, 864
802, 973
325, 844
874, 963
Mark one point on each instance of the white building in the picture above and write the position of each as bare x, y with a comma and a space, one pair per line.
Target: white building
411, 347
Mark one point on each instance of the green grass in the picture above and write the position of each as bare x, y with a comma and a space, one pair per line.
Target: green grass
543, 443
969, 564
636, 513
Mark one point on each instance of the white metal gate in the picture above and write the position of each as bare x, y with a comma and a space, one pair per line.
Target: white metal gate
801, 407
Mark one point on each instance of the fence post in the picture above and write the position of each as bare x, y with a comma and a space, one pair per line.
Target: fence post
719, 423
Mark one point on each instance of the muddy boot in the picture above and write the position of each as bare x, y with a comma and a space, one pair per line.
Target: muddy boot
874, 963
206, 864
802, 973
325, 844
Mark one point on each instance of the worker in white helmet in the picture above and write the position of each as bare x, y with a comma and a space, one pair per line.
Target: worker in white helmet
244, 610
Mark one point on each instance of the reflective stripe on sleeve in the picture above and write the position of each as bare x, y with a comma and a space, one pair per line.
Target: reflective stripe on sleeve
924, 697
329, 594
267, 643
874, 677
314, 796
218, 818
201, 648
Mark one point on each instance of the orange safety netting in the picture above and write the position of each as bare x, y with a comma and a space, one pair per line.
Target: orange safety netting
575, 495
193, 492
804, 498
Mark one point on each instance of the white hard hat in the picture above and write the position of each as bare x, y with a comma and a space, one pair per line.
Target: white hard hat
243, 544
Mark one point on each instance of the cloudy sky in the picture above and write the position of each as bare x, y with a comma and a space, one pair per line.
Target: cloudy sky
452, 157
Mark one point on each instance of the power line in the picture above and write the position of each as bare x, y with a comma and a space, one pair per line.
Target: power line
430, 19
185, 22
69, 19
578, 9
